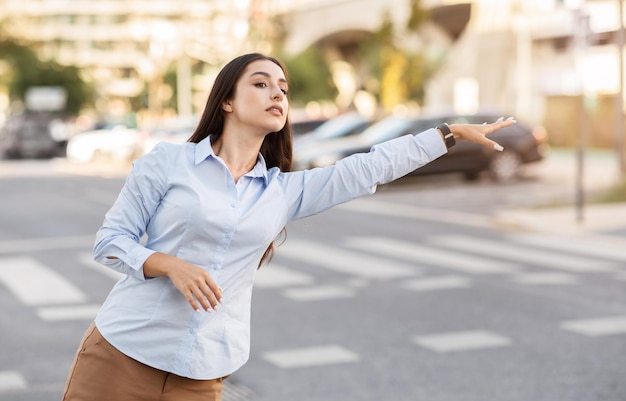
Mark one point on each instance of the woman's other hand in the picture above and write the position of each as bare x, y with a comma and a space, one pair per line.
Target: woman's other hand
195, 283
477, 133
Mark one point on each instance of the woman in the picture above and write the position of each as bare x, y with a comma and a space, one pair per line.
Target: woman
179, 322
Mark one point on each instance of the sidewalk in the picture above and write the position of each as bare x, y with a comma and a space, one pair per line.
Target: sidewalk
605, 220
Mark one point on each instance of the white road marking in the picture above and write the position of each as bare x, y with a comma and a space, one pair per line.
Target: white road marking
11, 380
576, 245
346, 262
313, 356
363, 205
36, 284
546, 278
501, 249
462, 341
597, 327
86, 259
319, 293
72, 312
437, 283
429, 255
46, 244
275, 276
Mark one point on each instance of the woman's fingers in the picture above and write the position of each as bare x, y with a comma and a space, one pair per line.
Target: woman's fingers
198, 287
208, 293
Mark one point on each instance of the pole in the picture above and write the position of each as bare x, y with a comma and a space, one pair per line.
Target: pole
619, 99
582, 23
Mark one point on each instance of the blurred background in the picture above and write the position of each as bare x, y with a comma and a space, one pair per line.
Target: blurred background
484, 275
109, 65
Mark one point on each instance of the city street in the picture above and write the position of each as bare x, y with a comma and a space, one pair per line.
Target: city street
413, 294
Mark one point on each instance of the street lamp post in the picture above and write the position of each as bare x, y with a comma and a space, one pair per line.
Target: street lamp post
619, 98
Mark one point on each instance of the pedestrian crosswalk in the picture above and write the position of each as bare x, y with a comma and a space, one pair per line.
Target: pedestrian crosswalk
310, 271
434, 263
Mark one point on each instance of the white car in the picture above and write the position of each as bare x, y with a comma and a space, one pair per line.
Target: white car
175, 130
118, 143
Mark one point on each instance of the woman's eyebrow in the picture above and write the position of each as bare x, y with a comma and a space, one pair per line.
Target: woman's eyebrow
265, 74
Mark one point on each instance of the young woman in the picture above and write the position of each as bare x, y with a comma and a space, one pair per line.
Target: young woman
179, 322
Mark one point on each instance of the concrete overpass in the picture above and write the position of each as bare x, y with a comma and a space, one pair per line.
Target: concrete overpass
345, 21
476, 37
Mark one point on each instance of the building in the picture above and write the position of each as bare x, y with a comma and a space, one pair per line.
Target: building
125, 46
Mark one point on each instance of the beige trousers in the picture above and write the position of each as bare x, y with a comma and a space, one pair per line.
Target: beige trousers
102, 373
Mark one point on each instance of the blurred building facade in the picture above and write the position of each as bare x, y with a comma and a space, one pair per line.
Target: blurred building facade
522, 56
123, 46
537, 59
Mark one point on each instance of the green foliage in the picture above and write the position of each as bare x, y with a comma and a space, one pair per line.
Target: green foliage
26, 71
309, 77
401, 75
418, 16
617, 193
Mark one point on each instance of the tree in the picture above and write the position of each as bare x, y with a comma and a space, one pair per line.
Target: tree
401, 75
27, 70
309, 77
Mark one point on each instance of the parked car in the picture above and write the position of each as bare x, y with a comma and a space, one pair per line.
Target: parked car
112, 142
176, 130
344, 125
522, 145
30, 135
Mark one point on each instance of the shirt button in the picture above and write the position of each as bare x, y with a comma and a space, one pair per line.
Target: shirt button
233, 205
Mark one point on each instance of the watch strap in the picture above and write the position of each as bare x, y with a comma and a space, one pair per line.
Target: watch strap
448, 136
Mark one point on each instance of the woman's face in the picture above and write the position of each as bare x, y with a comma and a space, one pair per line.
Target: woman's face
260, 100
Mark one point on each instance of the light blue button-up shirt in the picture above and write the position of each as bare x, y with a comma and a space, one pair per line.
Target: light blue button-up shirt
183, 198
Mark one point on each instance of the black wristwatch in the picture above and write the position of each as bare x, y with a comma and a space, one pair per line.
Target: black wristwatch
448, 136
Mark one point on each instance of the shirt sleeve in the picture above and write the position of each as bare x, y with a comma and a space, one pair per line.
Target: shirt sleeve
117, 242
313, 191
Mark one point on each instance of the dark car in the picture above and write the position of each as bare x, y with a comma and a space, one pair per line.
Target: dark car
522, 144
29, 135
344, 125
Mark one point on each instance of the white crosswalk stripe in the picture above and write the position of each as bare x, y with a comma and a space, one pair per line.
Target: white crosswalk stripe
432, 256
276, 276
11, 380
36, 284
86, 259
342, 261
320, 293
64, 313
521, 253
462, 341
597, 327
546, 278
576, 246
312, 356
437, 283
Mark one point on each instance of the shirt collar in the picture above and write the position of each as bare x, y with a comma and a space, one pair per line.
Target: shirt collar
204, 150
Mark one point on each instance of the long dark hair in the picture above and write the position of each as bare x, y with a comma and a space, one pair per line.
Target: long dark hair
277, 149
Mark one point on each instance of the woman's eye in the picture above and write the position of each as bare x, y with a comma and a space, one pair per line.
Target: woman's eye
285, 91
260, 85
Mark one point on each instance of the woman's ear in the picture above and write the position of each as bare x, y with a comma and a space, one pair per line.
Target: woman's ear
227, 106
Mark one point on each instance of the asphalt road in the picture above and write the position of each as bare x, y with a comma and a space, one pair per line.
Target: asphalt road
410, 294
